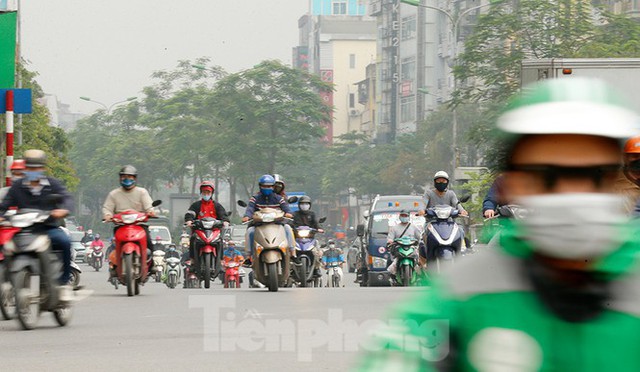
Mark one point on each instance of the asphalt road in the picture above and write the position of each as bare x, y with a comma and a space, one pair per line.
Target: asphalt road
310, 329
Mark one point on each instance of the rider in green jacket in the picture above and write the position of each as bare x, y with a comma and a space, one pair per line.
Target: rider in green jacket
562, 291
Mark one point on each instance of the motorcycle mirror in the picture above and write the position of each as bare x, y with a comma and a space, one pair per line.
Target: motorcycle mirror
54, 199
292, 199
321, 220
383, 233
156, 203
360, 230
242, 203
323, 245
229, 214
465, 198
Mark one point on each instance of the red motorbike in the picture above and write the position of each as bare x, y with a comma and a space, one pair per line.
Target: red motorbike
131, 249
231, 274
191, 279
208, 243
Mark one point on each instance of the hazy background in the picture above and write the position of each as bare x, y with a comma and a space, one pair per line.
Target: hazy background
107, 49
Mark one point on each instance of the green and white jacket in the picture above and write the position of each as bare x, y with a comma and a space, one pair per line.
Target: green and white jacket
485, 316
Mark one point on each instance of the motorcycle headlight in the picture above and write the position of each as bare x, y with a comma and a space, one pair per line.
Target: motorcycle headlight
304, 233
443, 213
379, 263
129, 218
268, 217
207, 224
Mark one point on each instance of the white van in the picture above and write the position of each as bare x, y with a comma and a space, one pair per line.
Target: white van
161, 231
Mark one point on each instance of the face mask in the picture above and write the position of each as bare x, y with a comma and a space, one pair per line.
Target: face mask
305, 207
332, 246
404, 219
205, 197
33, 175
16, 178
127, 182
266, 192
441, 186
573, 226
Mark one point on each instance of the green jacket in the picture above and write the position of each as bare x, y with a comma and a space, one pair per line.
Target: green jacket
485, 316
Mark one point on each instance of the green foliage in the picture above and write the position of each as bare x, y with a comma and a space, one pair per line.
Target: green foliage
477, 187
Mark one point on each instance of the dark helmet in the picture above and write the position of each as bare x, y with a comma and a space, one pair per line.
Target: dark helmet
304, 199
128, 170
279, 184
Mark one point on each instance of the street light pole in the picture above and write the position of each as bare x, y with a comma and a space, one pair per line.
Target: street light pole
108, 109
454, 20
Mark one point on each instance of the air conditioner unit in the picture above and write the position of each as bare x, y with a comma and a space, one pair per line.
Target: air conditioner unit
354, 112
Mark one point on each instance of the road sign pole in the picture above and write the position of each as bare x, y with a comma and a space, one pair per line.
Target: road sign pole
9, 106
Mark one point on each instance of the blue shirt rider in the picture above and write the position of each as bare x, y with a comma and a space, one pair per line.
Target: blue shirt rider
266, 198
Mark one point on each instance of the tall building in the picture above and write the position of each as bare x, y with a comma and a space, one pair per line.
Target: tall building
338, 42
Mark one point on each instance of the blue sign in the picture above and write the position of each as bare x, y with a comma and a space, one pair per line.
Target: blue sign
21, 101
294, 207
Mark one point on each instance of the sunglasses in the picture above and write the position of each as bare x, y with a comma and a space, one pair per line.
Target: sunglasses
551, 173
632, 166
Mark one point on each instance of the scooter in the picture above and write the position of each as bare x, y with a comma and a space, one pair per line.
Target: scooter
35, 269
131, 249
231, 274
333, 275
75, 271
209, 246
158, 265
7, 294
271, 249
191, 279
173, 272
407, 256
444, 238
305, 260
96, 258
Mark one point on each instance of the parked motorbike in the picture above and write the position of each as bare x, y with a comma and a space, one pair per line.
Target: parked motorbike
35, 269
173, 272
131, 249
407, 255
444, 238
271, 248
303, 264
190, 277
209, 248
158, 265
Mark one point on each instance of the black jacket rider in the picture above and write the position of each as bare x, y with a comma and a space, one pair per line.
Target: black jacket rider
305, 218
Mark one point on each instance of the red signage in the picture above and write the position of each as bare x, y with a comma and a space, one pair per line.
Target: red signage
327, 98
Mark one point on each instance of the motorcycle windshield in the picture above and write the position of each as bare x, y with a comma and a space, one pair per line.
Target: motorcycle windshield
444, 229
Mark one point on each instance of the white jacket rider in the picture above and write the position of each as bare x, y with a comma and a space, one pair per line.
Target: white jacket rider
404, 228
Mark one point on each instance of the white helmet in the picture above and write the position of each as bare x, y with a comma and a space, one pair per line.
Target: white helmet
441, 174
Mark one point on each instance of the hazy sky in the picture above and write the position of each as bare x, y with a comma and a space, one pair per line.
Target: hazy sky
107, 49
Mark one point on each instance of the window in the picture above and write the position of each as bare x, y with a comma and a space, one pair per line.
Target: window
352, 61
408, 109
339, 7
352, 100
408, 69
408, 27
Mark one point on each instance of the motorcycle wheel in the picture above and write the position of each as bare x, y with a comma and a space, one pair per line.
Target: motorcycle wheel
27, 310
406, 275
238, 284
317, 282
303, 271
172, 281
7, 301
336, 281
272, 271
207, 269
75, 279
62, 315
128, 274
158, 276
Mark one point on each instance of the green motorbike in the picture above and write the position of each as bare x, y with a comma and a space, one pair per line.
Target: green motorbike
407, 254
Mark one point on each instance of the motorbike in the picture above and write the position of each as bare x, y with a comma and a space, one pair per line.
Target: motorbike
407, 255
303, 264
173, 272
271, 249
7, 294
231, 274
75, 271
96, 258
35, 269
131, 249
158, 265
333, 275
444, 238
191, 279
208, 242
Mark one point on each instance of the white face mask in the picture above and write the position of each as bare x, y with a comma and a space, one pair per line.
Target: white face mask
573, 226
305, 207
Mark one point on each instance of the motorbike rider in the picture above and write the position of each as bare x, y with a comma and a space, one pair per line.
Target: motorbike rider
88, 237
158, 246
266, 198
279, 186
306, 217
631, 170
33, 191
172, 252
17, 172
570, 267
440, 194
97, 242
491, 201
332, 255
110, 248
128, 196
205, 207
402, 229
